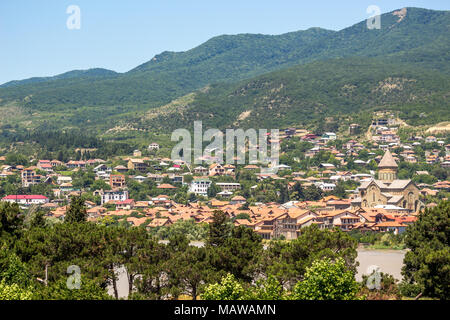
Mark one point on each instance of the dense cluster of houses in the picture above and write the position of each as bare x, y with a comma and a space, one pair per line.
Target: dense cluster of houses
382, 202
270, 220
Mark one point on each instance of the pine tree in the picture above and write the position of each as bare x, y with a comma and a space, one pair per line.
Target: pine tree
219, 229
77, 211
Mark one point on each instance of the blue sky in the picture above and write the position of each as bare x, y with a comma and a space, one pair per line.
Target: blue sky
119, 35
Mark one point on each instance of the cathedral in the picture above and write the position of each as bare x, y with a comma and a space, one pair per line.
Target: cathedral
388, 190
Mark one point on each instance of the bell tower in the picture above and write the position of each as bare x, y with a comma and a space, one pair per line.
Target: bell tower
387, 168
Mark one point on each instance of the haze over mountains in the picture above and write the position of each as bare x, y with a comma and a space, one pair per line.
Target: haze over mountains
412, 43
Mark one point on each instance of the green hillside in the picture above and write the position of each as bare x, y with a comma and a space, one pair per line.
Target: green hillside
305, 94
96, 73
261, 81
232, 58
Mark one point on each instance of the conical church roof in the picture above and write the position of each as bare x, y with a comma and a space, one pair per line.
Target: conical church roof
387, 161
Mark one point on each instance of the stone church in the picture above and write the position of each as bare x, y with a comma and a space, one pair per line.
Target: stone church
388, 190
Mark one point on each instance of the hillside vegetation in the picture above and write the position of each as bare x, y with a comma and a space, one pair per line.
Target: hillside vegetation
306, 94
254, 80
229, 58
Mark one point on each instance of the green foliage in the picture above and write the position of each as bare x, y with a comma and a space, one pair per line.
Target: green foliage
387, 290
427, 263
339, 191
297, 192
238, 253
213, 190
379, 240
275, 100
62, 245
327, 280
16, 159
10, 219
227, 289
313, 193
266, 289
288, 261
188, 270
232, 249
243, 215
410, 290
100, 184
424, 178
141, 191
13, 270
89, 290
415, 49
193, 231
15, 280
14, 292
219, 229
77, 211
231, 289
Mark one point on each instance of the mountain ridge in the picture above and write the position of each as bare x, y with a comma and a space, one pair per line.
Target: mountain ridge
229, 58
418, 41
87, 73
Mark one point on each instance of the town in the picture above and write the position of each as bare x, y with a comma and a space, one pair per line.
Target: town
376, 182
227, 152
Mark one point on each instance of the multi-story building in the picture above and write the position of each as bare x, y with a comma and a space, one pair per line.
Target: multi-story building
290, 223
216, 169
201, 170
45, 165
137, 164
29, 177
200, 186
117, 181
114, 195
229, 186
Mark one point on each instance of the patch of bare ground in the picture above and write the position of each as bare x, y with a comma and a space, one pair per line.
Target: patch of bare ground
401, 14
439, 127
116, 129
244, 115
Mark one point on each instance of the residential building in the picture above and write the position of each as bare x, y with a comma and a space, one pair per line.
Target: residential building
45, 165
238, 200
26, 200
137, 164
229, 186
113, 195
216, 169
137, 153
201, 170
63, 179
29, 177
329, 136
200, 186
117, 181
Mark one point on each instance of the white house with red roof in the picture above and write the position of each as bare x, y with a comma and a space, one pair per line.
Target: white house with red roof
26, 200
